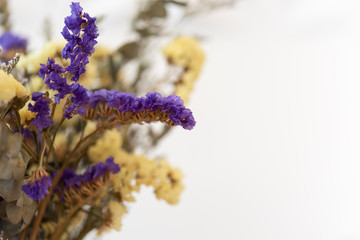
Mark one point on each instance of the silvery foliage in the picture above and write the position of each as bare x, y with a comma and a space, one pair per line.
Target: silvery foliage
16, 209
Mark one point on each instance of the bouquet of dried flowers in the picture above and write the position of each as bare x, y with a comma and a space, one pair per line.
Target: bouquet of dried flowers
72, 152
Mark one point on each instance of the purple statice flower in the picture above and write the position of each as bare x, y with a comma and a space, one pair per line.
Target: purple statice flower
80, 31
27, 134
112, 166
79, 99
179, 114
41, 107
51, 74
38, 189
153, 101
96, 97
10, 41
94, 172
71, 180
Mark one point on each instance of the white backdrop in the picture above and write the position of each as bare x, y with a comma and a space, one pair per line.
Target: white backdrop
275, 153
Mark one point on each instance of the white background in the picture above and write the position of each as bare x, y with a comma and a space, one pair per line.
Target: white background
275, 153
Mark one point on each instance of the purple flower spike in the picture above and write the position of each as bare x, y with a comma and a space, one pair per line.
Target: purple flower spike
94, 172
153, 102
80, 31
70, 181
79, 100
51, 73
42, 109
9, 41
38, 189
111, 166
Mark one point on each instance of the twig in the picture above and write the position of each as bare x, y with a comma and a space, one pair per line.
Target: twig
60, 228
44, 203
53, 139
23, 233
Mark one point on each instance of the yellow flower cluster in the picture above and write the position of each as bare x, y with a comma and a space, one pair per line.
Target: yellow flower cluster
10, 88
117, 210
25, 114
185, 52
36, 84
73, 224
96, 76
63, 142
136, 170
30, 62
49, 227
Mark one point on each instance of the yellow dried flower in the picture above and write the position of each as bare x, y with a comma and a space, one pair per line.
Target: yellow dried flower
90, 78
36, 84
30, 62
101, 52
73, 224
117, 210
48, 228
60, 145
108, 145
96, 75
10, 88
185, 52
25, 114
137, 170
113, 217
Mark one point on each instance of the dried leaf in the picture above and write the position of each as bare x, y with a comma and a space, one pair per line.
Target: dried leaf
29, 211
10, 230
130, 50
3, 209
10, 158
10, 189
20, 168
7, 166
14, 213
10, 144
157, 9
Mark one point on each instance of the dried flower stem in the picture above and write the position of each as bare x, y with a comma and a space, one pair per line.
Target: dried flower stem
88, 226
28, 149
44, 203
157, 137
41, 159
17, 120
23, 233
53, 139
60, 228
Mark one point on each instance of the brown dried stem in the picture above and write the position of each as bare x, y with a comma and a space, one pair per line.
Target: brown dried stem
61, 227
44, 203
